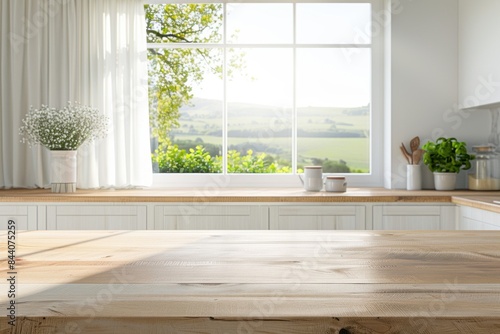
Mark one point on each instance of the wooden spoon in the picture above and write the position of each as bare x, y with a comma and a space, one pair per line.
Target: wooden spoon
417, 155
407, 154
414, 144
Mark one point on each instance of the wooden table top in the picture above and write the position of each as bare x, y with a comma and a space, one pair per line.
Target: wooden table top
389, 279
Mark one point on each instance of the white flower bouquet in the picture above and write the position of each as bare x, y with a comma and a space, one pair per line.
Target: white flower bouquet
63, 130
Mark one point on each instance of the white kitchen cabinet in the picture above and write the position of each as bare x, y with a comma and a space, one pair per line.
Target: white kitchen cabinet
207, 216
108, 216
23, 215
414, 217
477, 219
317, 217
244, 216
479, 70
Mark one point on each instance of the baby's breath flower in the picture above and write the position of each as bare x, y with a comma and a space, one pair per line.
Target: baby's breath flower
64, 129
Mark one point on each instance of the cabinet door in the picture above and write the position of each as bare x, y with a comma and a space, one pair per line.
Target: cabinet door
96, 217
477, 219
314, 217
207, 216
414, 217
23, 215
479, 52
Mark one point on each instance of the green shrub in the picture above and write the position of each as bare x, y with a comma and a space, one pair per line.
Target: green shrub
171, 159
212, 149
332, 166
255, 164
174, 160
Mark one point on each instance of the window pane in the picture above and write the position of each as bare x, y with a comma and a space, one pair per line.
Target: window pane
334, 23
260, 23
184, 23
186, 94
332, 87
333, 101
260, 110
200, 121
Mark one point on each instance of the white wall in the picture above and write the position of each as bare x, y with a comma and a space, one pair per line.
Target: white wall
423, 93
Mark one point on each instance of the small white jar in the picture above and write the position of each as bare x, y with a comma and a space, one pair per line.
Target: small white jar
335, 184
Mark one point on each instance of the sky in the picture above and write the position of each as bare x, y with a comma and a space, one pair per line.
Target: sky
325, 77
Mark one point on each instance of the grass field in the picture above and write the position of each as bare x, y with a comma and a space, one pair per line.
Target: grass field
355, 151
263, 125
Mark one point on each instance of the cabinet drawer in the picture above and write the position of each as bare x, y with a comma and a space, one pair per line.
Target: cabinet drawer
414, 217
96, 217
477, 219
23, 215
313, 217
211, 217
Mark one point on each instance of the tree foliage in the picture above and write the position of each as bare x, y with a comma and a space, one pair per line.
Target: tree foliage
175, 160
197, 160
172, 71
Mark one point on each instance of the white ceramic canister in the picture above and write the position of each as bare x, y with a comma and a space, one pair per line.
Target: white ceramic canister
336, 184
313, 178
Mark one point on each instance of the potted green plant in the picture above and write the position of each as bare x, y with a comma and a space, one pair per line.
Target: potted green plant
445, 158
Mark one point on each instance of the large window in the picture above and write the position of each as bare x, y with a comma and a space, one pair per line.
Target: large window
254, 92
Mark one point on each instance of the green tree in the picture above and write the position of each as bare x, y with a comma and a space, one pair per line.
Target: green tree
172, 72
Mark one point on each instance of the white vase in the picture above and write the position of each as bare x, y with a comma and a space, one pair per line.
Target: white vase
413, 177
445, 181
63, 171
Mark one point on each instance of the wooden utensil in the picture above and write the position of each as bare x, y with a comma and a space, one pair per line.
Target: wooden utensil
414, 144
407, 154
417, 155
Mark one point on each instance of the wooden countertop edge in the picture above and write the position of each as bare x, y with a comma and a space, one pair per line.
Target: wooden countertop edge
230, 199
364, 195
478, 202
250, 195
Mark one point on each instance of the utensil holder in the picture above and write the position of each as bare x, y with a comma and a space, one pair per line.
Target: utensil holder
413, 177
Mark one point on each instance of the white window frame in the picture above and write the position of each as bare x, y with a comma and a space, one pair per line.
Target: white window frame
372, 179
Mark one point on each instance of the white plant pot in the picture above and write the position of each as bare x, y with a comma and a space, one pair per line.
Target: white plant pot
63, 171
445, 181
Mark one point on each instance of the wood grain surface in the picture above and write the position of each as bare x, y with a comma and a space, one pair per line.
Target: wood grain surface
190, 195
255, 282
488, 203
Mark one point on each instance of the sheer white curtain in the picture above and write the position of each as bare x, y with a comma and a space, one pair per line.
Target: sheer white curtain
89, 51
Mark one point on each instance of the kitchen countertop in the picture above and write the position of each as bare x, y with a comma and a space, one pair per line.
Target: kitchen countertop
477, 199
236, 195
269, 281
479, 202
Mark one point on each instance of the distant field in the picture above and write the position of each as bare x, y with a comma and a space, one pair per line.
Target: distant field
355, 151
264, 125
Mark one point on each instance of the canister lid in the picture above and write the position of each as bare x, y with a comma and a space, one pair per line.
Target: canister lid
484, 148
335, 177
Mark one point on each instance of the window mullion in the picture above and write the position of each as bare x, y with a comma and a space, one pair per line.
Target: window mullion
294, 87
224, 93
261, 46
